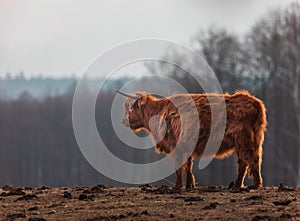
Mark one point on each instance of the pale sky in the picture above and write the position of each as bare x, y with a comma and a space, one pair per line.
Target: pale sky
59, 37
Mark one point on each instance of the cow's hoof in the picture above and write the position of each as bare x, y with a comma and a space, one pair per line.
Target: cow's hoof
190, 187
231, 185
177, 189
234, 186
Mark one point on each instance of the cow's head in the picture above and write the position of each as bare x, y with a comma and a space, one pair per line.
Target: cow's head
134, 110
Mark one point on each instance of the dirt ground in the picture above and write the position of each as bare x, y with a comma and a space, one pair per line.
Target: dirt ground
149, 203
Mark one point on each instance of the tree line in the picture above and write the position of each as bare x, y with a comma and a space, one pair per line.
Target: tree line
38, 146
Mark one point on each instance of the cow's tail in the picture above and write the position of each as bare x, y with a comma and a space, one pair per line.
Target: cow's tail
259, 131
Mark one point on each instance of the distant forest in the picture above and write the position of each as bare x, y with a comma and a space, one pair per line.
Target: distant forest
12, 87
37, 143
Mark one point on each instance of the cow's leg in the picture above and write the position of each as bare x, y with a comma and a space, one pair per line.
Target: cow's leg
255, 161
242, 168
255, 169
179, 179
250, 152
190, 179
179, 166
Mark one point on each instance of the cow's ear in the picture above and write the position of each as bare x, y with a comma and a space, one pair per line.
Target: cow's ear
143, 101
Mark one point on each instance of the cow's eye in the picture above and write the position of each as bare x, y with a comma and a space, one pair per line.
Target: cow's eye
131, 109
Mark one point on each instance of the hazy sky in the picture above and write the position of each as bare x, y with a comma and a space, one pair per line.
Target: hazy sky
60, 37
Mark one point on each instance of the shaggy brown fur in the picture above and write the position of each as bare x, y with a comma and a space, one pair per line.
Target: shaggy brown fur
244, 134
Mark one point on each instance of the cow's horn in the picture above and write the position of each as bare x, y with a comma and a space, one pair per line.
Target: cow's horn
133, 96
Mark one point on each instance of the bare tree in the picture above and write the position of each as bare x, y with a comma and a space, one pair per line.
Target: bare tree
224, 53
292, 54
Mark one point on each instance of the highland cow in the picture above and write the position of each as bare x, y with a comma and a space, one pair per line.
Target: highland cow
244, 133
